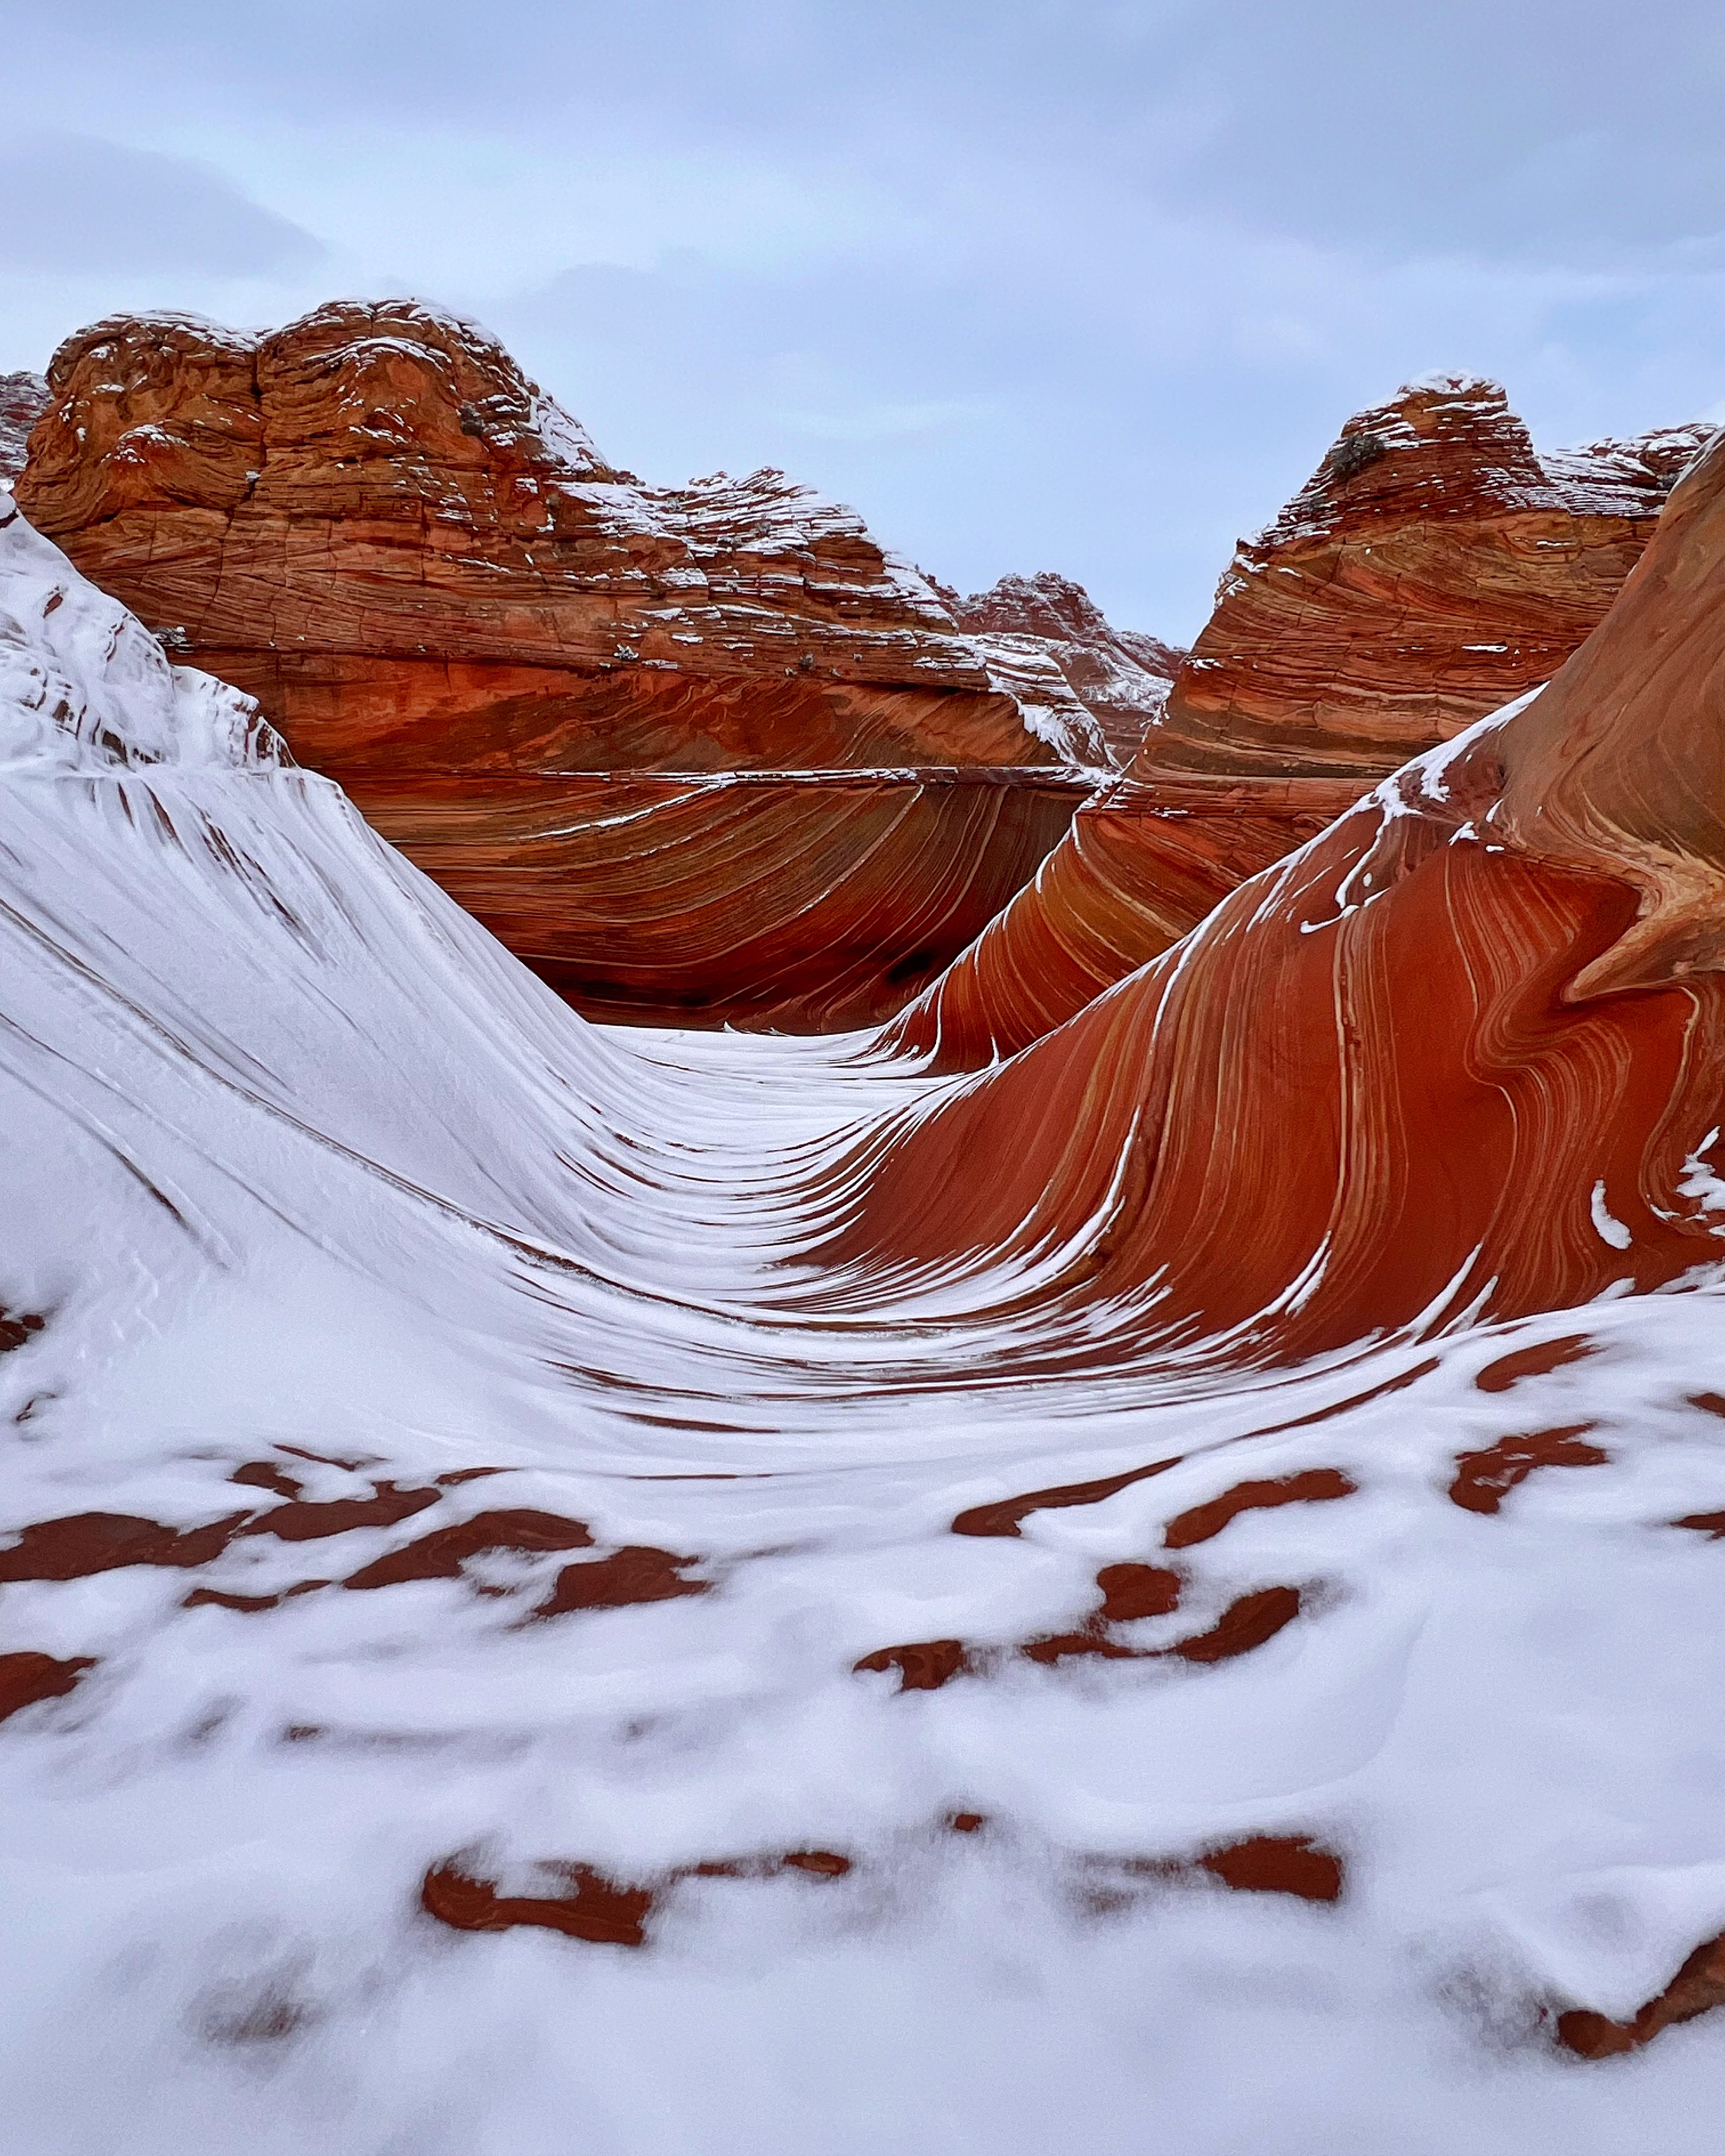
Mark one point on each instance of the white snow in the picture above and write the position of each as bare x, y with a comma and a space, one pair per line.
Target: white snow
292, 1154
1609, 1229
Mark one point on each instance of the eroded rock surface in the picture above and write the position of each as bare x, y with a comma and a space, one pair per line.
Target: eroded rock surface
1122, 675
1464, 1051
1434, 567
444, 596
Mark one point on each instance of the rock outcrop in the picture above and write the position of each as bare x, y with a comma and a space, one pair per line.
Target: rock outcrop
24, 398
1434, 567
445, 597
1465, 1052
1122, 675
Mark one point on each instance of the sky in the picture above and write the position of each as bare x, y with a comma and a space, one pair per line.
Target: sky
1032, 283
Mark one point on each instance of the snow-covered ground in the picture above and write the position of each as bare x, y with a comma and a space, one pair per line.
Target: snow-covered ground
307, 1180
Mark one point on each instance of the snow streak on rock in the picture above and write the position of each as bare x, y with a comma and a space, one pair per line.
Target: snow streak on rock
24, 398
1122, 675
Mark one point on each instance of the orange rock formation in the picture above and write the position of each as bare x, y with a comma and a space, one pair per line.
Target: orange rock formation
1122, 675
444, 596
1323, 1112
24, 397
1432, 568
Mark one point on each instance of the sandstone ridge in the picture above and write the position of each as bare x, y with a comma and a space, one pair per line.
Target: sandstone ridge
544, 679
1122, 675
371, 520
1434, 567
1461, 1054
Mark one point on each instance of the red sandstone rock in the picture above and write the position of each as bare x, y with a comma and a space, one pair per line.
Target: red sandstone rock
1432, 568
627, 1576
1279, 1864
24, 398
1311, 1486
923, 1665
1122, 675
589, 1906
1538, 1361
1697, 1987
1458, 1054
817, 902
27, 1678
1484, 1479
447, 599
373, 522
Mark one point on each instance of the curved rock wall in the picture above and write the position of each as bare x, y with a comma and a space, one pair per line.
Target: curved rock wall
429, 577
1432, 568
808, 902
1465, 1052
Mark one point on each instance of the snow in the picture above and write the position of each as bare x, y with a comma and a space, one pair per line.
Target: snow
1609, 1229
1701, 1181
296, 1156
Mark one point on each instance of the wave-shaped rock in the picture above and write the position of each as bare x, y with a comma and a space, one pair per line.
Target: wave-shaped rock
1434, 566
433, 582
809, 901
1463, 1052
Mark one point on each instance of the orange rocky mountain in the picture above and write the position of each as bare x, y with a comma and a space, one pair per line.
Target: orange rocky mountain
705, 751
1122, 675
1434, 567
1463, 1056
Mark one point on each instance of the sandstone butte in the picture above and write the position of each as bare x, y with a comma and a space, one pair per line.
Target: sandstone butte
702, 753
1434, 567
1122, 675
1465, 1053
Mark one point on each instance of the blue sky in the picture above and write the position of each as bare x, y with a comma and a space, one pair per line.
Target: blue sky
1034, 286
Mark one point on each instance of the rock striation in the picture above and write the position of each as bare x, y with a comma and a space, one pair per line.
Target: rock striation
1122, 675
1464, 1052
444, 596
818, 902
1434, 567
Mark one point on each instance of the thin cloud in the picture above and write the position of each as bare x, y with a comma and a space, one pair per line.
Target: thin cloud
76, 204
